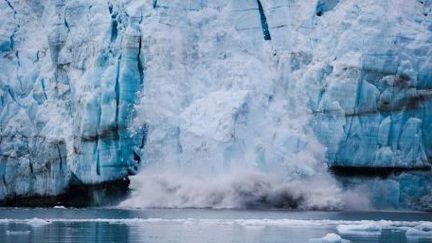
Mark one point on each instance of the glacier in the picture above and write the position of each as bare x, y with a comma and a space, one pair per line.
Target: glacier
192, 94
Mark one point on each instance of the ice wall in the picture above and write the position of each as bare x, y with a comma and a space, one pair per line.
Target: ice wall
376, 102
91, 89
70, 73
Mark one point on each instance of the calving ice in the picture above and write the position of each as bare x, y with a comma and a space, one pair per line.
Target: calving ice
315, 104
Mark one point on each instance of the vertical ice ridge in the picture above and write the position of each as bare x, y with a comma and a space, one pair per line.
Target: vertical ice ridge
15, 31
140, 64
60, 157
114, 23
117, 91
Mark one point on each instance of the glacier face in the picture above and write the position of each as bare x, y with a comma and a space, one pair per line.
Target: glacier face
91, 89
70, 75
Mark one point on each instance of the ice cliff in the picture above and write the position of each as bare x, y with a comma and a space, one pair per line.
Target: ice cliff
70, 75
92, 90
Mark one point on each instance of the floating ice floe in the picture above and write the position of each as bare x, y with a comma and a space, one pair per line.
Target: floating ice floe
423, 230
370, 228
37, 222
329, 238
17, 232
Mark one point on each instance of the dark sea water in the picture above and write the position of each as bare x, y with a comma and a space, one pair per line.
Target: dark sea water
197, 225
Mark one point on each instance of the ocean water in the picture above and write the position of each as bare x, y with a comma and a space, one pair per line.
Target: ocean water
202, 225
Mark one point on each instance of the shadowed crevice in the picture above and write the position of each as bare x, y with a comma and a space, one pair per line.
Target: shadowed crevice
76, 195
263, 19
369, 171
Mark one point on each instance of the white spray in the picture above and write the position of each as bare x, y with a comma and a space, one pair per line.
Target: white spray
228, 118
